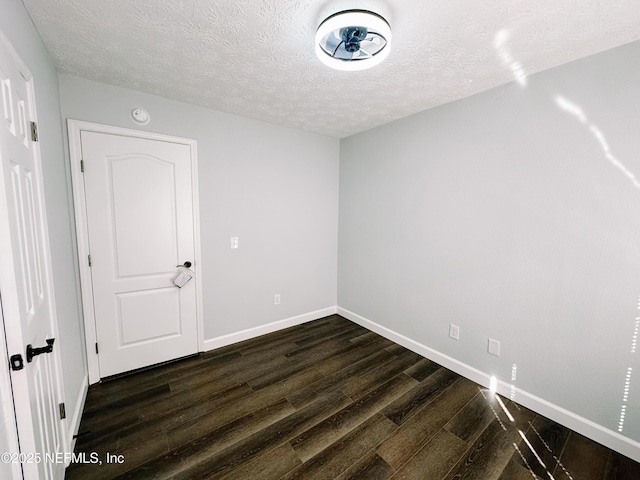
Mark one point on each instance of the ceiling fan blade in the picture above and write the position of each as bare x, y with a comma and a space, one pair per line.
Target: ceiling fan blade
362, 53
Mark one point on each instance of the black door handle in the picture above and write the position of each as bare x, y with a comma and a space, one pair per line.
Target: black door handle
32, 352
186, 264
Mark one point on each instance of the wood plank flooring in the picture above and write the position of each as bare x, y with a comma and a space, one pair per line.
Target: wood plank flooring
324, 400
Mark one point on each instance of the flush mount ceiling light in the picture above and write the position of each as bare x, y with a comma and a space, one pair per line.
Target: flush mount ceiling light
353, 40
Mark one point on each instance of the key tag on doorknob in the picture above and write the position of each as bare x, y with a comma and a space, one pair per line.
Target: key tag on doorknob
184, 276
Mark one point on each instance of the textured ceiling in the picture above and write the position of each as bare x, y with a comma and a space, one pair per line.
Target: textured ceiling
256, 58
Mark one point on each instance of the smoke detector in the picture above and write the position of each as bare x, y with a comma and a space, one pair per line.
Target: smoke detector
140, 116
353, 40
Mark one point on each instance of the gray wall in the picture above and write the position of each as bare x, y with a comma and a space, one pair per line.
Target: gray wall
16, 25
273, 187
515, 216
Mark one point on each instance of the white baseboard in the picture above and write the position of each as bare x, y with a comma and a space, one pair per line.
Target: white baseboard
74, 423
584, 426
236, 337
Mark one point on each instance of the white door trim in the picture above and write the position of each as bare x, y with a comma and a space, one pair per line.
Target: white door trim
75, 157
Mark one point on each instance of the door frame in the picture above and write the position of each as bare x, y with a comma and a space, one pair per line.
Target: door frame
75, 127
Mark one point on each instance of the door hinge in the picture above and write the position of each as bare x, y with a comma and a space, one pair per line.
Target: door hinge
89, 258
82, 166
63, 411
34, 131
96, 348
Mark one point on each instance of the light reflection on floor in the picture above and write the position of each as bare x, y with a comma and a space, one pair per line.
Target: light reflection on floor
510, 423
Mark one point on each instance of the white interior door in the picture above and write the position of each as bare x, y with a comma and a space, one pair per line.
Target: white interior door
25, 276
8, 427
140, 222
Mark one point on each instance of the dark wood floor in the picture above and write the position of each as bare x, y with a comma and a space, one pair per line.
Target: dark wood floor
324, 400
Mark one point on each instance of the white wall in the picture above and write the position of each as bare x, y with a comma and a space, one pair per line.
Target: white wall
510, 214
273, 187
16, 25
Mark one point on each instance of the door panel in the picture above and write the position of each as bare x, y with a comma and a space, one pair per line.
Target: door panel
160, 306
153, 249
25, 274
140, 222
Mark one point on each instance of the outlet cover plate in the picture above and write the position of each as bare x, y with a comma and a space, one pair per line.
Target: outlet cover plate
494, 347
454, 331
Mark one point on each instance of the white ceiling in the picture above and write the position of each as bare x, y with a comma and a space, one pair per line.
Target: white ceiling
256, 58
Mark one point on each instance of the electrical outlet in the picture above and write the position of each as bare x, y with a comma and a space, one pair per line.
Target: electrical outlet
276, 299
454, 331
234, 242
494, 347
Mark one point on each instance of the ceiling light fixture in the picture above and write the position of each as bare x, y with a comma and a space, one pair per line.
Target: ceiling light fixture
353, 40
